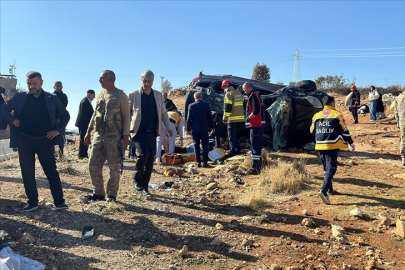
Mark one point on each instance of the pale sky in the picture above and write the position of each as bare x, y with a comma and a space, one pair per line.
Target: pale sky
73, 41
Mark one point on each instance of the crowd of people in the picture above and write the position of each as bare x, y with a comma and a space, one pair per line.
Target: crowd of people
145, 118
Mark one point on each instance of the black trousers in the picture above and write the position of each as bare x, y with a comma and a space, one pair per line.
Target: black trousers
329, 162
44, 148
82, 146
203, 138
256, 142
233, 136
145, 146
220, 129
355, 114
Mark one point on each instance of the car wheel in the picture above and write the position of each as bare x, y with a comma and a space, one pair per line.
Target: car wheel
306, 85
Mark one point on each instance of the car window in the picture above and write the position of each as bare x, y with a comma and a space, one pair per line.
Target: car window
203, 84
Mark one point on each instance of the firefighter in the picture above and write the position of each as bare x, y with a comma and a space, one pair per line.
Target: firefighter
233, 116
255, 120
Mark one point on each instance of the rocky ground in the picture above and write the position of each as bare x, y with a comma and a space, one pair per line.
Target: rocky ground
211, 219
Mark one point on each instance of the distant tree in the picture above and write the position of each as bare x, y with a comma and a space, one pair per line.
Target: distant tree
261, 73
16, 90
166, 86
328, 81
280, 82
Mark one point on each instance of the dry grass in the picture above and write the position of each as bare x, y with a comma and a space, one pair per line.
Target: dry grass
286, 177
247, 163
107, 208
9, 163
255, 199
266, 161
67, 168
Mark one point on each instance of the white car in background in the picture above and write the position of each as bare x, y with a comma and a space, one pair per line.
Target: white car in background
71, 135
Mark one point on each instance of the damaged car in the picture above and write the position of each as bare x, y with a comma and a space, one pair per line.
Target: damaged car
289, 108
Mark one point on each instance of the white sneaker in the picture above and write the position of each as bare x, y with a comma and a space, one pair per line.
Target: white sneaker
325, 198
157, 160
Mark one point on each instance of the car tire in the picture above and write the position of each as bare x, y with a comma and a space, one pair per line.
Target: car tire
307, 85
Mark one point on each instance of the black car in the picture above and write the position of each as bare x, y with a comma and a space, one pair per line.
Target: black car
287, 121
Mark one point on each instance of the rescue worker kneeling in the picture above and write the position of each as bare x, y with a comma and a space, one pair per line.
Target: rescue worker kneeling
331, 133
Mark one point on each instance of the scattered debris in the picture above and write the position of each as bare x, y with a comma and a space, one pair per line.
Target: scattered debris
216, 242
184, 251
400, 228
3, 234
11, 260
389, 136
27, 239
356, 212
88, 231
308, 222
212, 186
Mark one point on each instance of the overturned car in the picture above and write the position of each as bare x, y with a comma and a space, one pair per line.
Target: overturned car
289, 108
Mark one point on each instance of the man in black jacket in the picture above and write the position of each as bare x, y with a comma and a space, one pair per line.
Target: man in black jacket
83, 119
38, 120
199, 124
64, 99
170, 106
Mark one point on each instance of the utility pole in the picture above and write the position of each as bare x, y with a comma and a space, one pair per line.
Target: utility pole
12, 69
161, 83
296, 74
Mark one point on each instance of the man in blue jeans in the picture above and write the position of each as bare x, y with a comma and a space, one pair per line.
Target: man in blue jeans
331, 133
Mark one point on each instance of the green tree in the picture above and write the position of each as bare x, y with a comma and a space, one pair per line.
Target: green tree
261, 73
328, 81
166, 86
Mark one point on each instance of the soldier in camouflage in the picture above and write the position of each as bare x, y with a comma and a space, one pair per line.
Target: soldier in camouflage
110, 121
400, 117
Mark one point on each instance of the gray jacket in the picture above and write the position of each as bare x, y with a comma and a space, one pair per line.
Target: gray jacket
135, 112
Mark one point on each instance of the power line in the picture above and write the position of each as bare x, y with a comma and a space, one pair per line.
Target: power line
363, 56
372, 53
370, 49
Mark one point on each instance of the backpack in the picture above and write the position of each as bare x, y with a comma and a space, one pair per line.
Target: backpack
348, 99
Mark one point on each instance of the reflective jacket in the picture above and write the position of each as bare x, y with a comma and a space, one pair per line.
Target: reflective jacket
177, 120
255, 106
233, 106
330, 130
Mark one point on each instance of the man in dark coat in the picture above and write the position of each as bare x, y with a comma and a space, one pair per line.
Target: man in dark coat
199, 124
64, 99
170, 106
83, 119
355, 104
38, 120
